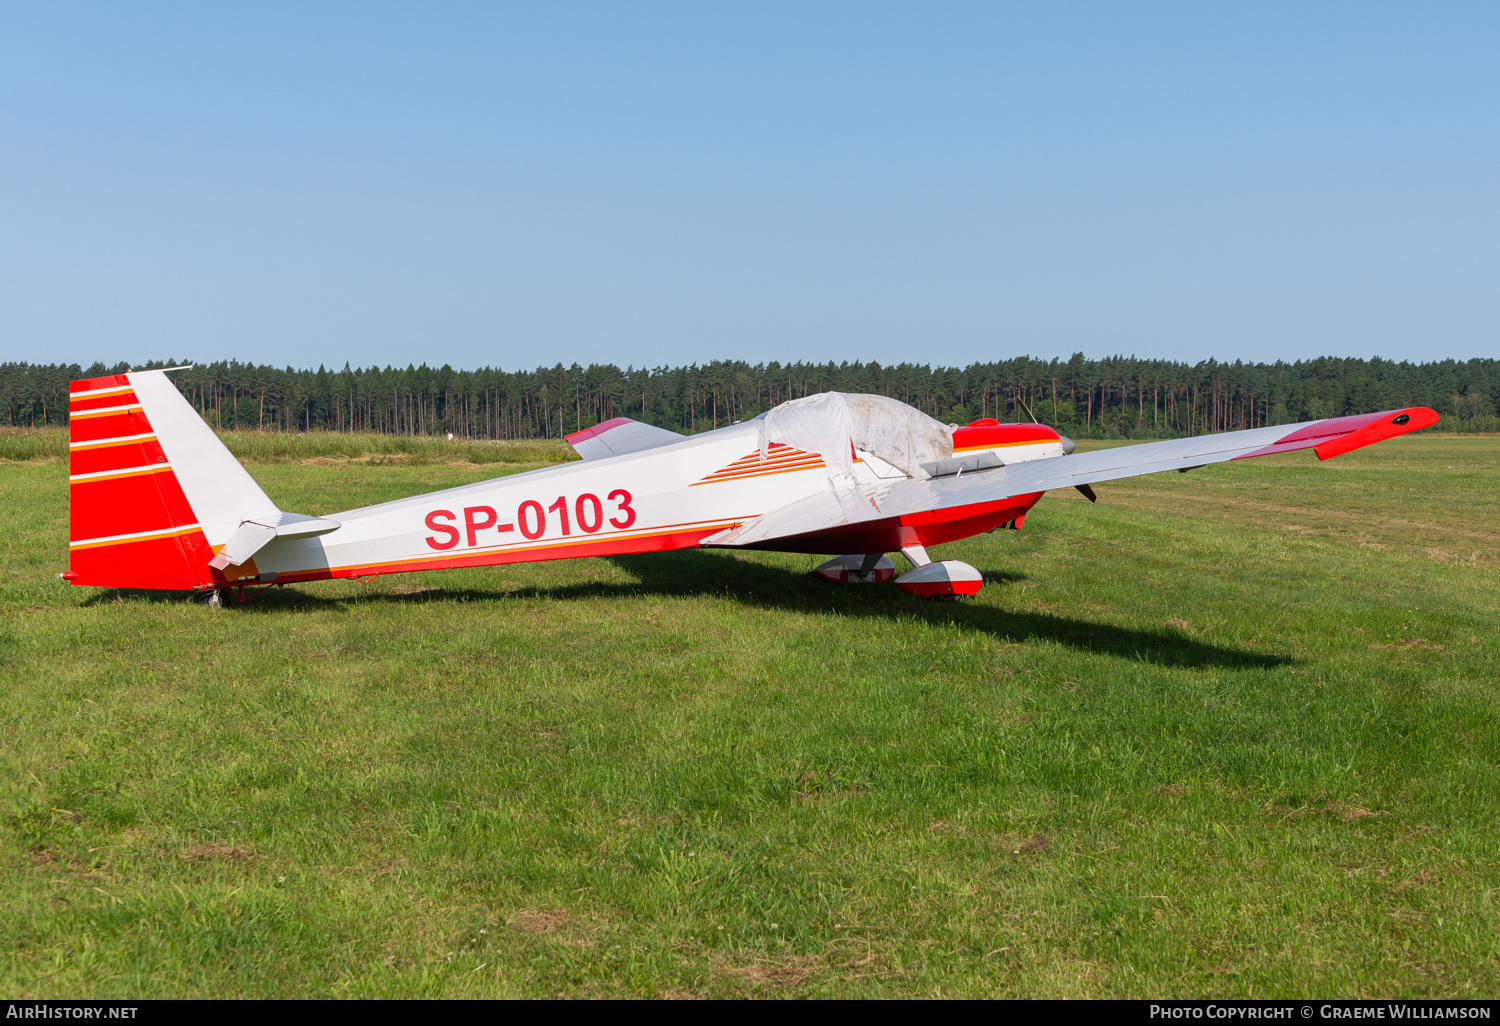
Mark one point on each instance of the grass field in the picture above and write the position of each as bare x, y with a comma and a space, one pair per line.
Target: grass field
1226, 733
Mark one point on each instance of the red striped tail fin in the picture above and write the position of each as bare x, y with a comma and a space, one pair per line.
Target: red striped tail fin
153, 493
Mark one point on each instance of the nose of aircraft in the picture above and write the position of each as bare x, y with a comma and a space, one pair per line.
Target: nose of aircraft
1068, 445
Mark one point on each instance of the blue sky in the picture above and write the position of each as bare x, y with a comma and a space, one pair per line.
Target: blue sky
516, 185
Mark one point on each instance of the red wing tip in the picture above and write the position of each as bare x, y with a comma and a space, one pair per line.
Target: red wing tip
1330, 438
596, 430
1399, 422
1380, 427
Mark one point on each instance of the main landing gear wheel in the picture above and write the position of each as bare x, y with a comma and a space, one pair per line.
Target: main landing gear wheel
945, 580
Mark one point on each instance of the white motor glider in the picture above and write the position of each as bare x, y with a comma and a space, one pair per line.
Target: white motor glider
158, 502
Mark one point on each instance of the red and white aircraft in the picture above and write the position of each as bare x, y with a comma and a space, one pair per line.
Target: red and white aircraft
158, 502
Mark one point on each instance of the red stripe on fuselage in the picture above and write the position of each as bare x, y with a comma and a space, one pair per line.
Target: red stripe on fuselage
780, 458
664, 542
786, 468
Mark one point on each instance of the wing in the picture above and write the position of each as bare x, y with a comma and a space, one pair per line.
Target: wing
617, 437
866, 511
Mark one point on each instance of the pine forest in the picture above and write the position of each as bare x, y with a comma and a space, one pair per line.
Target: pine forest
1107, 398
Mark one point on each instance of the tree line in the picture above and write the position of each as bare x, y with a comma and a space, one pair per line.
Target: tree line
1114, 397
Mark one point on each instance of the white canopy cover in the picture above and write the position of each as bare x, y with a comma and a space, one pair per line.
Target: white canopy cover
828, 422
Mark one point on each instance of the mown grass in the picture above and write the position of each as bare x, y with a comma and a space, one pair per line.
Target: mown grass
1225, 733
256, 447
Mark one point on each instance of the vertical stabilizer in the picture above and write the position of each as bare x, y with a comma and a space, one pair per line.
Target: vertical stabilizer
152, 490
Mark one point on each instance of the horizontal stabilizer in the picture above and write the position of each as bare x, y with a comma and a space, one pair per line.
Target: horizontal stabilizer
617, 437
254, 535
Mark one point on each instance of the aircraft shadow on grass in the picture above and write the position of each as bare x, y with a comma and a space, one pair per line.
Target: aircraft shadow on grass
752, 583
769, 587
